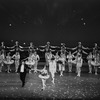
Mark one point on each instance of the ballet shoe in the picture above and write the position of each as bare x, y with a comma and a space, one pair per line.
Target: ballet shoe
78, 75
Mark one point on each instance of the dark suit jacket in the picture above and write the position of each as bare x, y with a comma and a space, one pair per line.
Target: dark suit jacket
26, 68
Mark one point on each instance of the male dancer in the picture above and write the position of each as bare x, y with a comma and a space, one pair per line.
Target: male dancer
23, 70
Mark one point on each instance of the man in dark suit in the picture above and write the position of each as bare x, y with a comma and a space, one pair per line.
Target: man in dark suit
23, 70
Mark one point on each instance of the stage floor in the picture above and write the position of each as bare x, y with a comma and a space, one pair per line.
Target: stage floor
68, 86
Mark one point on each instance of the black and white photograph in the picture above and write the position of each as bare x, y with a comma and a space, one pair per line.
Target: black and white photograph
49, 49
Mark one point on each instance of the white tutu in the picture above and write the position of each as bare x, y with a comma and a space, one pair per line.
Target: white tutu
44, 77
9, 62
94, 63
29, 63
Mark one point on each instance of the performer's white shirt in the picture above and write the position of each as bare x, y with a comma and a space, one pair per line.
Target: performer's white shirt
22, 68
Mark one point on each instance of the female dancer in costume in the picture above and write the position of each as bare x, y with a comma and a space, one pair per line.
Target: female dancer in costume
89, 57
70, 57
96, 62
48, 56
16, 56
79, 62
36, 58
8, 61
2, 58
16, 47
52, 68
61, 63
30, 62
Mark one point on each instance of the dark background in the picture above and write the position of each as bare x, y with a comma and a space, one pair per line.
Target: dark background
56, 21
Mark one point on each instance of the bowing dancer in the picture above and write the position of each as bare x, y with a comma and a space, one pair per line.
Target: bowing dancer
23, 71
8, 61
16, 56
79, 62
89, 58
70, 57
52, 68
44, 76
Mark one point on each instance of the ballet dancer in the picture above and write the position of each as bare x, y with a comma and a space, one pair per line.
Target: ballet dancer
89, 58
70, 57
79, 62
8, 61
96, 62
23, 71
16, 56
52, 68
36, 58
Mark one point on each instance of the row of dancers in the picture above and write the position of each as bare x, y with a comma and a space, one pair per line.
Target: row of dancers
59, 61
48, 47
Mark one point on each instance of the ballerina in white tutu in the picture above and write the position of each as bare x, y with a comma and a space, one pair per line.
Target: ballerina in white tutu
16, 56
61, 63
96, 62
8, 61
29, 61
